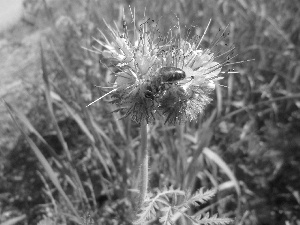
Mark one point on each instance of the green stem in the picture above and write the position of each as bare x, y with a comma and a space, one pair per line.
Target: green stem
143, 185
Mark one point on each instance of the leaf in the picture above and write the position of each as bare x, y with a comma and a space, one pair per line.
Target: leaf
52, 175
31, 129
213, 220
166, 218
201, 196
220, 162
72, 113
50, 108
14, 221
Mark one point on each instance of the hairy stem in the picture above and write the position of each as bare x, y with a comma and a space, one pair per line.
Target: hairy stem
143, 184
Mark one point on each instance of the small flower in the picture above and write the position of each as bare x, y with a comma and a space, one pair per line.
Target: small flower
201, 73
171, 80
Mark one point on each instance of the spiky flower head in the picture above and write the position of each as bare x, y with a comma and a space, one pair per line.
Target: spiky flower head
159, 78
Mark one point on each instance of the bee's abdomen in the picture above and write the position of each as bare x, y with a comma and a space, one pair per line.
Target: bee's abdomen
171, 74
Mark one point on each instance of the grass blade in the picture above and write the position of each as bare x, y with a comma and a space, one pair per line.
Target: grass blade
14, 220
31, 129
204, 136
72, 113
225, 168
49, 104
221, 163
52, 175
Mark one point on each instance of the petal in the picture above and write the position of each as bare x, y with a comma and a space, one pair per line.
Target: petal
124, 78
113, 54
202, 59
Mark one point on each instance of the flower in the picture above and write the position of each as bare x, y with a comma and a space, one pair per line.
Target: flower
172, 79
201, 73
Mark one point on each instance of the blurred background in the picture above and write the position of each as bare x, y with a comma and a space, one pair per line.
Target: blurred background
61, 160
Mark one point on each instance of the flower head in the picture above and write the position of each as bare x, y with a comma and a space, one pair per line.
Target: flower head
171, 79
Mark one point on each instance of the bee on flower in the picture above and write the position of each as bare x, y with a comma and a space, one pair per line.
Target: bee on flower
170, 80
190, 95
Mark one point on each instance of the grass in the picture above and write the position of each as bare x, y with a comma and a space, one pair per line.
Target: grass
245, 145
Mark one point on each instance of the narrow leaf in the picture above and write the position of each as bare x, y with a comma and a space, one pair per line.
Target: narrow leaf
49, 104
52, 175
220, 162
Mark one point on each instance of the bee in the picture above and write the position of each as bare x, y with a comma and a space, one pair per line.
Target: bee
166, 75
171, 74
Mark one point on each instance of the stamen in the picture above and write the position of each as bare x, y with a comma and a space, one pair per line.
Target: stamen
102, 97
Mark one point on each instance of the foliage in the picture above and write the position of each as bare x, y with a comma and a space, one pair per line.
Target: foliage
246, 144
166, 201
